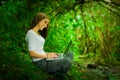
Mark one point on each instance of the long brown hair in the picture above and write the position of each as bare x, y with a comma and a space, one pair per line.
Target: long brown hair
40, 16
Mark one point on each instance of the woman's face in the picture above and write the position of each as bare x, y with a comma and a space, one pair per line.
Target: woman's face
43, 23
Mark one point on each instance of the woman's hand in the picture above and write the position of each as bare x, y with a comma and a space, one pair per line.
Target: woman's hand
52, 55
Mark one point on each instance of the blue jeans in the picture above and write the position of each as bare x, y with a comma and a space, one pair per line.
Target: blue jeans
56, 65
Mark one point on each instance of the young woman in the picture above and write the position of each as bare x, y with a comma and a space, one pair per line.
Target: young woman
35, 38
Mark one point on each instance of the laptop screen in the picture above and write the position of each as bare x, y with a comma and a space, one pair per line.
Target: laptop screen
68, 47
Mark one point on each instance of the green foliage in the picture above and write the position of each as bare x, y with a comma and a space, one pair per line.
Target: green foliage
94, 32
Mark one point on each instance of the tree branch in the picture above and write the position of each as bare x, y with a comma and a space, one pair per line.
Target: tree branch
109, 9
81, 2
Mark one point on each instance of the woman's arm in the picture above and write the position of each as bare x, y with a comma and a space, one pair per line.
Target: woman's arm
36, 55
46, 55
52, 55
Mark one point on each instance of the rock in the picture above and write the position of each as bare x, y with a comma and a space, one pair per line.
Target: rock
91, 66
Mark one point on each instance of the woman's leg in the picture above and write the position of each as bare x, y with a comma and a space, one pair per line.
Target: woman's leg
42, 64
59, 65
56, 65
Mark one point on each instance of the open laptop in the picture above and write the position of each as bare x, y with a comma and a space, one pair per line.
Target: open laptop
62, 55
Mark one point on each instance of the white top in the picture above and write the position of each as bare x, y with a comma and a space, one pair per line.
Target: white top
35, 43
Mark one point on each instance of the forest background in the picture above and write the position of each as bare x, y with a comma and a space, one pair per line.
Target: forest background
92, 25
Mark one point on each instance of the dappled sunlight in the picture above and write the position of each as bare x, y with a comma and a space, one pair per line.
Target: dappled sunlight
93, 27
